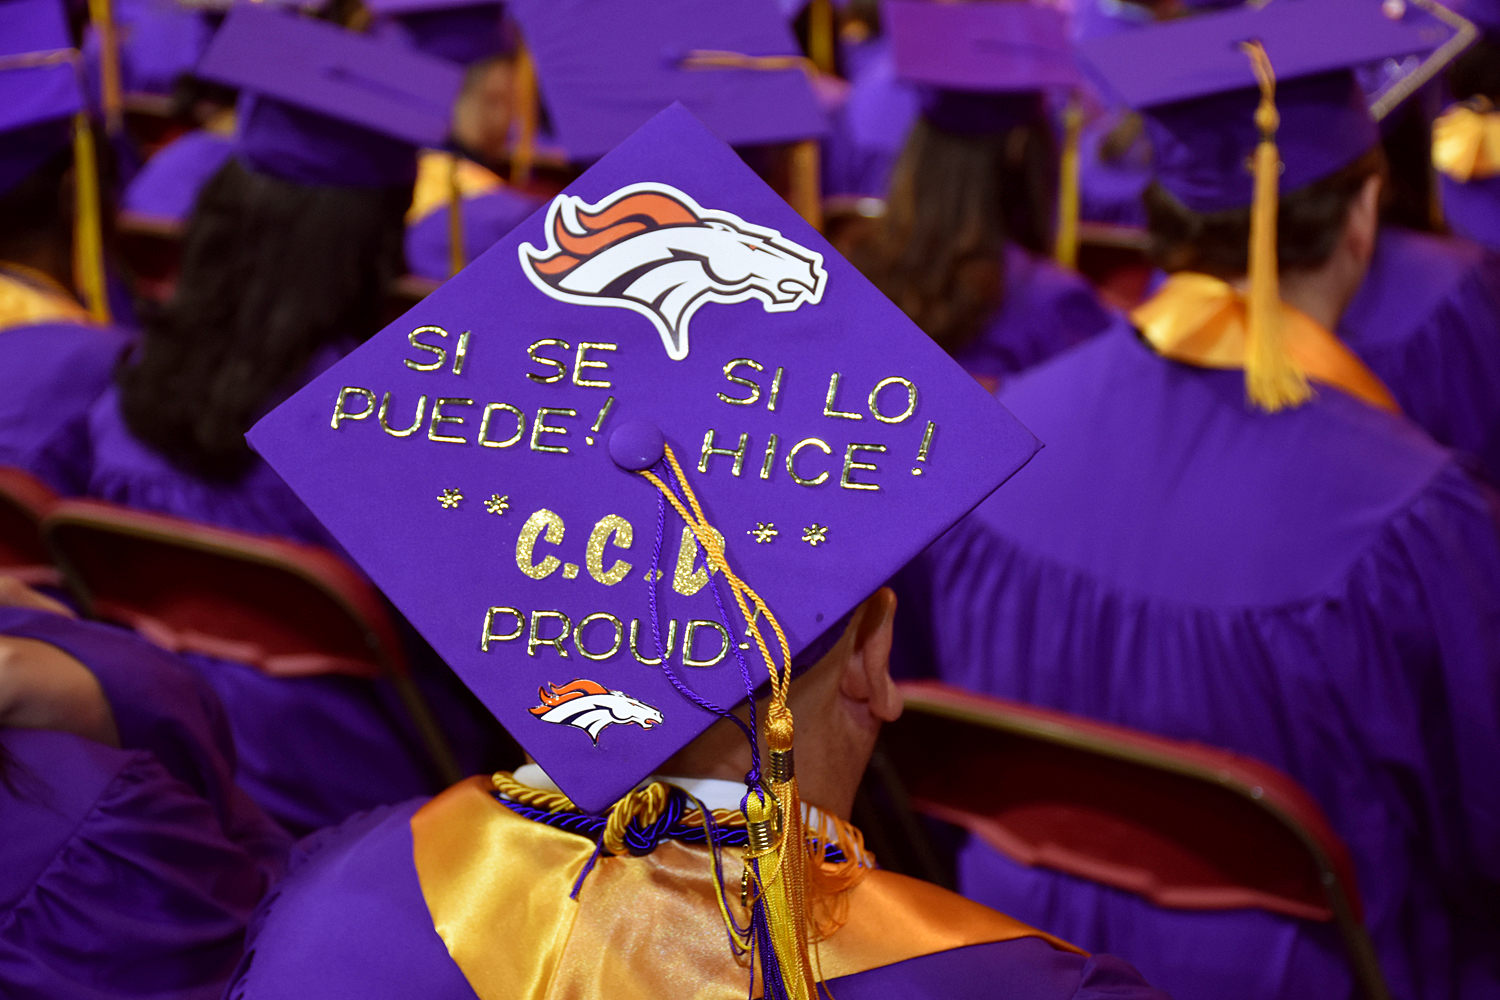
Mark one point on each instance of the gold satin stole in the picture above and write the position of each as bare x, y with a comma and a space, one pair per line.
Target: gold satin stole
433, 188
497, 885
1466, 143
27, 296
1200, 320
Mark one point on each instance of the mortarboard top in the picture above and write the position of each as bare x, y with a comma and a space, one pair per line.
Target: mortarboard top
460, 31
1198, 93
321, 105
605, 67
982, 66
1484, 13
479, 466
39, 89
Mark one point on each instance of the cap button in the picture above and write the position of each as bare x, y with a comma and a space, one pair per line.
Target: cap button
637, 445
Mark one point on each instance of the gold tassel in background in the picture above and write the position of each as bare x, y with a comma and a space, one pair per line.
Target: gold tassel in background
455, 218
101, 15
1272, 379
1066, 249
88, 230
820, 34
524, 100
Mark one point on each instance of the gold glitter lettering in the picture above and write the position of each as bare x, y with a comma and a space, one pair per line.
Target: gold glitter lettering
791, 461
526, 543
911, 400
582, 361
611, 524
833, 391
440, 353
709, 451
635, 649
488, 634
385, 402
340, 414
562, 369
533, 640
599, 616
688, 660
438, 418
539, 426
686, 580
484, 426
850, 465
750, 384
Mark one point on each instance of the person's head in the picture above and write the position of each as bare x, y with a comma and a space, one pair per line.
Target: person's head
482, 117
955, 199
36, 214
840, 703
272, 271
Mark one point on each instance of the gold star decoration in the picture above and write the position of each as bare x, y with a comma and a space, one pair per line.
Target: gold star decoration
497, 504
815, 534
763, 532
449, 498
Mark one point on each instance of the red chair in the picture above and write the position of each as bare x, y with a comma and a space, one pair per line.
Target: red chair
291, 610
1183, 825
24, 502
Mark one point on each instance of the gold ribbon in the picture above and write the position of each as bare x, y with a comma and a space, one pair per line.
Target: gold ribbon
1066, 250
1200, 320
1466, 142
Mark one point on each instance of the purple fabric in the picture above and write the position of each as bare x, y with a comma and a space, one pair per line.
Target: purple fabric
1427, 322
37, 103
1473, 209
305, 147
1221, 954
167, 186
116, 880
486, 219
159, 42
50, 374
1110, 191
351, 923
1316, 589
985, 48
867, 132
160, 706
1046, 311
462, 35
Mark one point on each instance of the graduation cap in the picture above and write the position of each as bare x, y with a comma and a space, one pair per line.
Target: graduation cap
460, 31
605, 67
321, 105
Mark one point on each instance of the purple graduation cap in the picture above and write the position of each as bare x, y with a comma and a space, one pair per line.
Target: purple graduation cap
1197, 91
481, 457
982, 67
605, 67
39, 89
321, 105
460, 31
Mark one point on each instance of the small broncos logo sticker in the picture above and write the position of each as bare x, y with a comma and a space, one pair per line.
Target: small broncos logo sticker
652, 249
584, 704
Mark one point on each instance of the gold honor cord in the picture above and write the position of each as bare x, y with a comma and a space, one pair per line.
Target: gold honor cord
1272, 380
88, 231
1066, 250
456, 259
777, 840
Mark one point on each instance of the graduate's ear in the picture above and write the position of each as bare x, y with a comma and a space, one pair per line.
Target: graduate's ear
867, 671
1363, 224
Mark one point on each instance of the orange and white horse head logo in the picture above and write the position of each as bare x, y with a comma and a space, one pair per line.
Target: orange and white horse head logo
585, 705
652, 249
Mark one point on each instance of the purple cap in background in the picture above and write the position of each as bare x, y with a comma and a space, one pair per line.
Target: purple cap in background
605, 67
460, 31
321, 105
474, 457
1197, 92
982, 67
39, 89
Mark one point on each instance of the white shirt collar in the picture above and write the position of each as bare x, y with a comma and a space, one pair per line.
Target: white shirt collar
716, 793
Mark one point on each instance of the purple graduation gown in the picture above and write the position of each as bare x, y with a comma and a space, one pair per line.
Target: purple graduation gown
351, 922
869, 127
167, 186
1319, 589
129, 872
486, 219
1472, 210
50, 374
1046, 310
1427, 322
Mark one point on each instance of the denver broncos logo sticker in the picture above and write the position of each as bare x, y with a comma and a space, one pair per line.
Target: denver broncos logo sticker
652, 249
584, 704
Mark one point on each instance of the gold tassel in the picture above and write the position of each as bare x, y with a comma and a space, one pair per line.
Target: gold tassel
1066, 250
820, 35
524, 100
88, 233
455, 218
1272, 379
804, 187
102, 17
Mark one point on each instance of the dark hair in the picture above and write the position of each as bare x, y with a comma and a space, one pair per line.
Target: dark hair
272, 271
954, 202
1308, 225
33, 211
1476, 73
